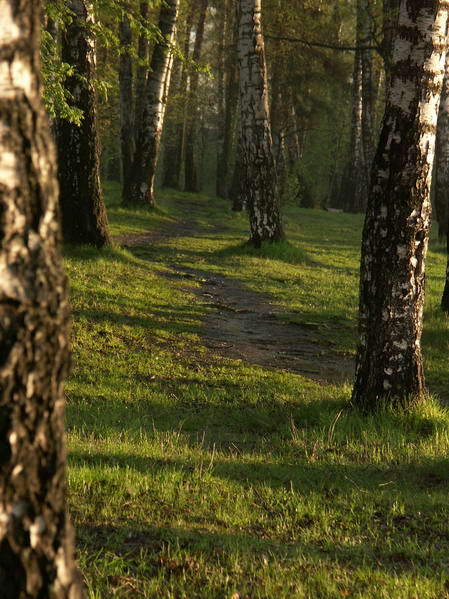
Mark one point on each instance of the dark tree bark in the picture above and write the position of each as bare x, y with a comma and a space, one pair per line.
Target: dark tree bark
126, 94
36, 537
259, 183
84, 217
395, 237
191, 169
235, 191
141, 184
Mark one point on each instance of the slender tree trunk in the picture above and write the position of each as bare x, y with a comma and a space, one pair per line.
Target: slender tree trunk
366, 57
141, 185
191, 170
36, 537
221, 172
84, 217
126, 94
141, 71
354, 184
235, 192
231, 102
441, 197
395, 237
173, 119
175, 160
260, 181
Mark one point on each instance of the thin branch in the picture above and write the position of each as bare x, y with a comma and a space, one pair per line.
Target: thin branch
294, 40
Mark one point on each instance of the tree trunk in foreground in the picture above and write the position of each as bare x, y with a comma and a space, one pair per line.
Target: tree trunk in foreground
84, 217
442, 159
142, 70
141, 184
395, 237
36, 537
259, 183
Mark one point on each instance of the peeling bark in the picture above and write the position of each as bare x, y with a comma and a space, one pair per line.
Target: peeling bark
140, 189
259, 177
84, 217
36, 537
395, 237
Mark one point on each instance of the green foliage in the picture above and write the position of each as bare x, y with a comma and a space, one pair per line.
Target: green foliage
199, 476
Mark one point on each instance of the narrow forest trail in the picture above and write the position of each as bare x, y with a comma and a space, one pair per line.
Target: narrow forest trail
241, 323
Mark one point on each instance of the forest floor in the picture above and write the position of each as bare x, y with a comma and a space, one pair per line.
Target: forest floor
212, 454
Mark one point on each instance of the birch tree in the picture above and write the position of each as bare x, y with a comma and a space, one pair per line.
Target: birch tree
395, 237
36, 538
84, 217
140, 188
259, 185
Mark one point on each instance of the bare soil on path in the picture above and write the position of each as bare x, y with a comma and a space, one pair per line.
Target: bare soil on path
244, 324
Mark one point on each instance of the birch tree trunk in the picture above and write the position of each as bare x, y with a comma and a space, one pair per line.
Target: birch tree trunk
84, 217
395, 237
36, 537
441, 198
126, 95
191, 170
141, 185
259, 183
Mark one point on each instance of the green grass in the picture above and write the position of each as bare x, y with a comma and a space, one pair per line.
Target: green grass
195, 476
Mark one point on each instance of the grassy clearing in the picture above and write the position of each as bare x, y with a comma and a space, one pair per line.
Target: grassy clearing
194, 476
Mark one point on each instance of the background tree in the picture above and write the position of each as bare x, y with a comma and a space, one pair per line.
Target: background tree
140, 187
259, 186
84, 217
36, 538
395, 237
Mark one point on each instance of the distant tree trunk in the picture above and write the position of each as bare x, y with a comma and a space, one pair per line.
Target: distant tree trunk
141, 71
174, 158
231, 100
170, 170
366, 57
260, 181
141, 184
221, 174
84, 217
191, 170
441, 182
279, 120
36, 537
235, 191
354, 183
126, 94
395, 237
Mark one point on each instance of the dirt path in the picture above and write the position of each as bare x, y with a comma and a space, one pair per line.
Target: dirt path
246, 325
